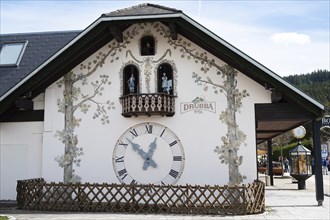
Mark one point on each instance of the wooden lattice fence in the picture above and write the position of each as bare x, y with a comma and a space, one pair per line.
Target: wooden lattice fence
36, 194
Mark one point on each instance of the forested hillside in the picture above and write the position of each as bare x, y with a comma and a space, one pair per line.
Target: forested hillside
315, 84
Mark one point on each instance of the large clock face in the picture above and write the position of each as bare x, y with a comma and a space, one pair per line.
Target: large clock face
148, 153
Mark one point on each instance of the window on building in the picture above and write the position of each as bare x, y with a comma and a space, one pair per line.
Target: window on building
130, 79
165, 78
11, 53
147, 46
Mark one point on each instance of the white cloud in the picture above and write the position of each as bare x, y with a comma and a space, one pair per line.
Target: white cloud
290, 38
292, 58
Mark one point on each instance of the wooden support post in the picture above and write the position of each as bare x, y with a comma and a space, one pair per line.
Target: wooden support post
270, 161
318, 162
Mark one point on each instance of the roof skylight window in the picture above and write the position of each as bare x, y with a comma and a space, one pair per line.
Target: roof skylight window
11, 53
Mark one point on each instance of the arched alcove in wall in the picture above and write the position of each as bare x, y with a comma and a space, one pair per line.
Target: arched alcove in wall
147, 46
165, 82
130, 79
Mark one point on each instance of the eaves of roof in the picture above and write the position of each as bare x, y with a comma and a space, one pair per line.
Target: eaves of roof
189, 28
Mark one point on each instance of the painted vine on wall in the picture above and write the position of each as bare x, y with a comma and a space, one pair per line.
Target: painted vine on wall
74, 99
234, 138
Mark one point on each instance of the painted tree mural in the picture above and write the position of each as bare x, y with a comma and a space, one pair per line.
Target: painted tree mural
74, 99
234, 138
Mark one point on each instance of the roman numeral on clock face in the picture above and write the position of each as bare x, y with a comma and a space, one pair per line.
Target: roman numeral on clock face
119, 159
173, 143
123, 144
174, 173
122, 172
162, 133
177, 158
133, 132
149, 128
123, 177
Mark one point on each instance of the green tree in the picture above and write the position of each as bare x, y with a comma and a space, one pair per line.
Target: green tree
315, 84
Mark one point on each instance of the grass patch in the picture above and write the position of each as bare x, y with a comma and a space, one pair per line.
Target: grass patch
4, 218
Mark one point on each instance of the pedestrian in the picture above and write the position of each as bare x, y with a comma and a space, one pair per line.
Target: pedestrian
286, 165
325, 164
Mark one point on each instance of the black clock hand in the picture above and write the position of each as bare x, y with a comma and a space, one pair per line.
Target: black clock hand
148, 161
143, 154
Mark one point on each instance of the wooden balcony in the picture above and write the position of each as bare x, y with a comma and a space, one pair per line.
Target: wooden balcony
148, 104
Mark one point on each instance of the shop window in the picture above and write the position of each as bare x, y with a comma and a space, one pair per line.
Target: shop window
147, 46
130, 79
165, 78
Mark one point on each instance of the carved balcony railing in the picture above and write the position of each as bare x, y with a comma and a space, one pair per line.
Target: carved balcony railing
148, 104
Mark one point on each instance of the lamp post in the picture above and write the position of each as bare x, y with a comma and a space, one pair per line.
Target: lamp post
301, 168
301, 164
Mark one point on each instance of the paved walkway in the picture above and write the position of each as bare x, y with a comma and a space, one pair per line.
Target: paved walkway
283, 201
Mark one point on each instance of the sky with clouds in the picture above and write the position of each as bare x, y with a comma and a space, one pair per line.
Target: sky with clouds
288, 37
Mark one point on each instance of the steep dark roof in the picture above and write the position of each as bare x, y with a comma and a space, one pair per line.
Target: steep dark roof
40, 47
142, 9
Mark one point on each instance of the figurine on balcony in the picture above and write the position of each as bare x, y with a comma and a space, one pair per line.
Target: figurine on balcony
166, 84
131, 83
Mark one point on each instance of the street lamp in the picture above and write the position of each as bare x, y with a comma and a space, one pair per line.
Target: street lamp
300, 164
301, 159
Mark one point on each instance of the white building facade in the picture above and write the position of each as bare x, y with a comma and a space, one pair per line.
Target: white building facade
205, 140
